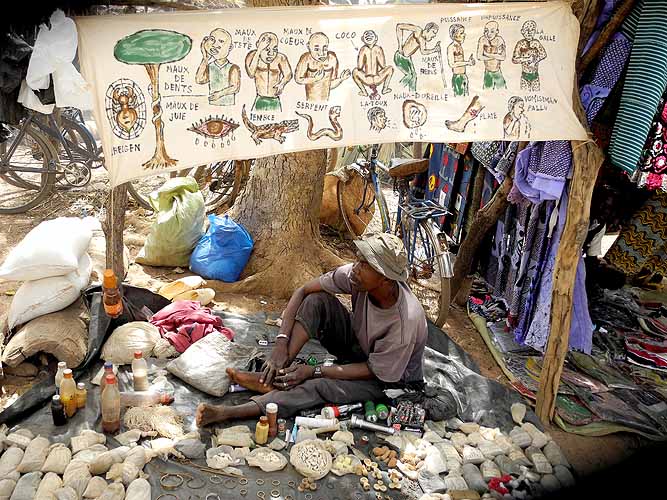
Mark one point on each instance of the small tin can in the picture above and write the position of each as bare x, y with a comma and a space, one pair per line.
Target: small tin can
282, 425
364, 439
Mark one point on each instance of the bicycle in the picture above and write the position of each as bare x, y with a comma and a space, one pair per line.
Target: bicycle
429, 260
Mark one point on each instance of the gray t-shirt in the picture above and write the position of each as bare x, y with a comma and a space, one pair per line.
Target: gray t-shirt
394, 338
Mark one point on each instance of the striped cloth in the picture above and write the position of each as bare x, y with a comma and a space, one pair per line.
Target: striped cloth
644, 85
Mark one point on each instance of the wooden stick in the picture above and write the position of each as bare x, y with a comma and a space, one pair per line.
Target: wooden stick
605, 35
113, 226
586, 161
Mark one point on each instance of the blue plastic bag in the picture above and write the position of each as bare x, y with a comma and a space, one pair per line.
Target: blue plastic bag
223, 251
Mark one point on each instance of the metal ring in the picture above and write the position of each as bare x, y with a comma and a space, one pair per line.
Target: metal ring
215, 479
275, 482
243, 492
243, 481
291, 484
289, 497
195, 487
227, 481
275, 493
259, 482
261, 495
171, 487
212, 495
165, 495
309, 496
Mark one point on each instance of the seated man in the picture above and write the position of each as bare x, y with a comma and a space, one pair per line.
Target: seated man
382, 342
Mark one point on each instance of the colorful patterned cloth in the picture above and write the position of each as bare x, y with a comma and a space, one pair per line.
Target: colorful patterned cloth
652, 171
642, 243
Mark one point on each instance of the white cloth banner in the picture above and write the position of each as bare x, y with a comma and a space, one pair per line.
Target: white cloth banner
177, 90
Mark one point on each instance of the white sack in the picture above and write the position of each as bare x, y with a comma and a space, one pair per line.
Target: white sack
114, 491
58, 459
35, 455
53, 248
203, 364
6, 488
43, 296
66, 493
47, 487
86, 439
139, 489
77, 476
95, 488
124, 340
26, 487
9, 461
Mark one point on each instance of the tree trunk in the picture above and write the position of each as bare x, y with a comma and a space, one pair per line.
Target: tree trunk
280, 208
160, 157
113, 226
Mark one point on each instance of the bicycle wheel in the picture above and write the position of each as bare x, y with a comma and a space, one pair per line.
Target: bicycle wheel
426, 266
81, 143
356, 209
23, 189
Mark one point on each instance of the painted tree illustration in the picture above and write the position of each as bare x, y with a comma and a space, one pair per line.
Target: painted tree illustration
151, 48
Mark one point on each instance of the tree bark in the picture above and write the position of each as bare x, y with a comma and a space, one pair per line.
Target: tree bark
113, 226
586, 162
160, 157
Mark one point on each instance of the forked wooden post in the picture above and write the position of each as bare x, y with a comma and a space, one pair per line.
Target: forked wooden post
114, 225
587, 159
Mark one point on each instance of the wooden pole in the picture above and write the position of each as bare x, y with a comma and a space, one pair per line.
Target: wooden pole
586, 162
114, 225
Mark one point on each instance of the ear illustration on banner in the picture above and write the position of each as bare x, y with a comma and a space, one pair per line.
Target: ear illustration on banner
414, 114
151, 48
335, 133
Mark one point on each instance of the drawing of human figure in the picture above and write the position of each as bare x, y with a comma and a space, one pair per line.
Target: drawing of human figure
377, 117
529, 52
416, 40
317, 69
271, 71
371, 70
457, 61
515, 123
223, 76
491, 50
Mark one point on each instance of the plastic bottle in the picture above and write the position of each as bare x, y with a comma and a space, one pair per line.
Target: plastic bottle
57, 411
272, 415
262, 430
110, 405
81, 395
68, 393
144, 398
108, 369
62, 366
140, 372
113, 304
369, 410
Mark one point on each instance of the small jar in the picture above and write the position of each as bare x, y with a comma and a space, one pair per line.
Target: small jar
262, 430
81, 395
272, 415
282, 427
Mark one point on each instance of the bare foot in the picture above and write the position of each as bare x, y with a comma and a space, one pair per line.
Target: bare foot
209, 414
249, 380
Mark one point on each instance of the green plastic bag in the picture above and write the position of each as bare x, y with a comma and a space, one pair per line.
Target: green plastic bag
179, 205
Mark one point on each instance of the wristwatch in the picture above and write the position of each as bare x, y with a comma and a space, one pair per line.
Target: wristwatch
317, 372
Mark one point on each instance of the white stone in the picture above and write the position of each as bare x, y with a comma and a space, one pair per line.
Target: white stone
469, 427
489, 470
472, 455
520, 437
504, 443
539, 438
455, 483
490, 449
518, 411
506, 465
454, 468
474, 438
459, 440
542, 465
516, 455
453, 423
489, 433
448, 452
473, 477
550, 483
554, 454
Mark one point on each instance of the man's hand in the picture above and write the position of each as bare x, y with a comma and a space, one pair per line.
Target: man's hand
293, 376
276, 361
206, 45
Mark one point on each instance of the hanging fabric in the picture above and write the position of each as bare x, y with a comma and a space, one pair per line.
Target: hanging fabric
652, 171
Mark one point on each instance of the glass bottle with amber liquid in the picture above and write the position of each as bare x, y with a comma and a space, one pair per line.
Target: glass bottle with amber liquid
113, 304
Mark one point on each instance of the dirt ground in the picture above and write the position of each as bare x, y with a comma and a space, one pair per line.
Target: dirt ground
587, 454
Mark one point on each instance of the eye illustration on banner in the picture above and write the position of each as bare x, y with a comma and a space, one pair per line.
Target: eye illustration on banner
471, 112
335, 133
214, 127
151, 48
275, 131
125, 107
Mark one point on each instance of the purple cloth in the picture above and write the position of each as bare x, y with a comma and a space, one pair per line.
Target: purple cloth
581, 330
613, 59
541, 170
